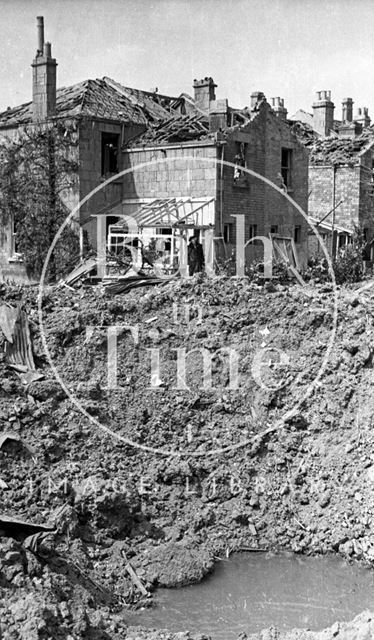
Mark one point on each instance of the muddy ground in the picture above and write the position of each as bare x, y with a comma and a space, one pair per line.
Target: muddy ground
275, 453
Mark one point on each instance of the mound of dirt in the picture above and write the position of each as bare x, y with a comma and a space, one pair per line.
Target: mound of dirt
203, 417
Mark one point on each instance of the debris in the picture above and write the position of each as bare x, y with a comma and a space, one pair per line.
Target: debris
136, 580
32, 542
19, 528
8, 318
126, 283
176, 129
82, 270
18, 348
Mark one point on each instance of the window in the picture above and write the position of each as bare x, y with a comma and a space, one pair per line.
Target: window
342, 240
274, 228
240, 160
297, 234
253, 234
252, 231
14, 252
228, 233
109, 153
286, 167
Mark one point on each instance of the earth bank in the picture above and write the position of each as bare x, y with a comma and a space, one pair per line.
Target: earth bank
209, 473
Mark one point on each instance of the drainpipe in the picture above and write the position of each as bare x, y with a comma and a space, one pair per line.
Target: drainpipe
333, 234
221, 197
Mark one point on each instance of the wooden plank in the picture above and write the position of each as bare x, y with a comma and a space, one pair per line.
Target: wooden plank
136, 580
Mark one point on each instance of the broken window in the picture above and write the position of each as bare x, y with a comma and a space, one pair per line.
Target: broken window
14, 250
253, 234
228, 235
109, 153
297, 234
274, 228
240, 159
252, 231
286, 168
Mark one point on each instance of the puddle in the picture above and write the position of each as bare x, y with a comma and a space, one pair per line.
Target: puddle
252, 591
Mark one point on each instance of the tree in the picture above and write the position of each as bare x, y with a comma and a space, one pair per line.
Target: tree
38, 172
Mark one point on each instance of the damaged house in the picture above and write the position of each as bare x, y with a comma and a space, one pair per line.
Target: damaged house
166, 160
341, 178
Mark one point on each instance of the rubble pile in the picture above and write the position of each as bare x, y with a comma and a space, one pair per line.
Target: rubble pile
179, 465
338, 150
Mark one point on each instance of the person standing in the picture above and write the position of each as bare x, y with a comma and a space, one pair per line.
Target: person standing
195, 256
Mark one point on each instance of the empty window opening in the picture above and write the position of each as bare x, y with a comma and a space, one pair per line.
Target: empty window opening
240, 159
274, 228
286, 167
252, 231
14, 249
109, 153
228, 233
297, 234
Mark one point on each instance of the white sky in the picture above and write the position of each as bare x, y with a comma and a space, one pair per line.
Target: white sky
286, 48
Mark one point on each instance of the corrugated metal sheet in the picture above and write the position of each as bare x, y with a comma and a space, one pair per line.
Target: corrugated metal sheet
19, 353
18, 349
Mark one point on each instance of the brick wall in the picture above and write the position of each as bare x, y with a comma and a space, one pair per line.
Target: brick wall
366, 209
347, 191
353, 187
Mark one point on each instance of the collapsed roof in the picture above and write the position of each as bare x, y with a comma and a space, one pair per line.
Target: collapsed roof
100, 98
340, 150
177, 128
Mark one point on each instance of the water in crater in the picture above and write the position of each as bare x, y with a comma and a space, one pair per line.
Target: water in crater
252, 591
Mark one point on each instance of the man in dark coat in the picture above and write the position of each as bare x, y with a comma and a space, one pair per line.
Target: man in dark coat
195, 256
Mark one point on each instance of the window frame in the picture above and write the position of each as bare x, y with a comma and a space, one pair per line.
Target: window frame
113, 146
297, 234
286, 168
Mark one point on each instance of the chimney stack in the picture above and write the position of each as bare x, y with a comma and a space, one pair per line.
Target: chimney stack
323, 113
256, 98
218, 114
347, 111
279, 108
44, 78
204, 93
362, 117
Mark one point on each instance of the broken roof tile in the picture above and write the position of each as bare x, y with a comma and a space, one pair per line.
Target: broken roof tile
340, 150
100, 98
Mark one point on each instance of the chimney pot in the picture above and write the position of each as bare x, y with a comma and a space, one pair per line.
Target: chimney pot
279, 108
40, 28
47, 50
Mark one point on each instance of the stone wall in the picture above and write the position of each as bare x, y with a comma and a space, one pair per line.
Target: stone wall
190, 171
